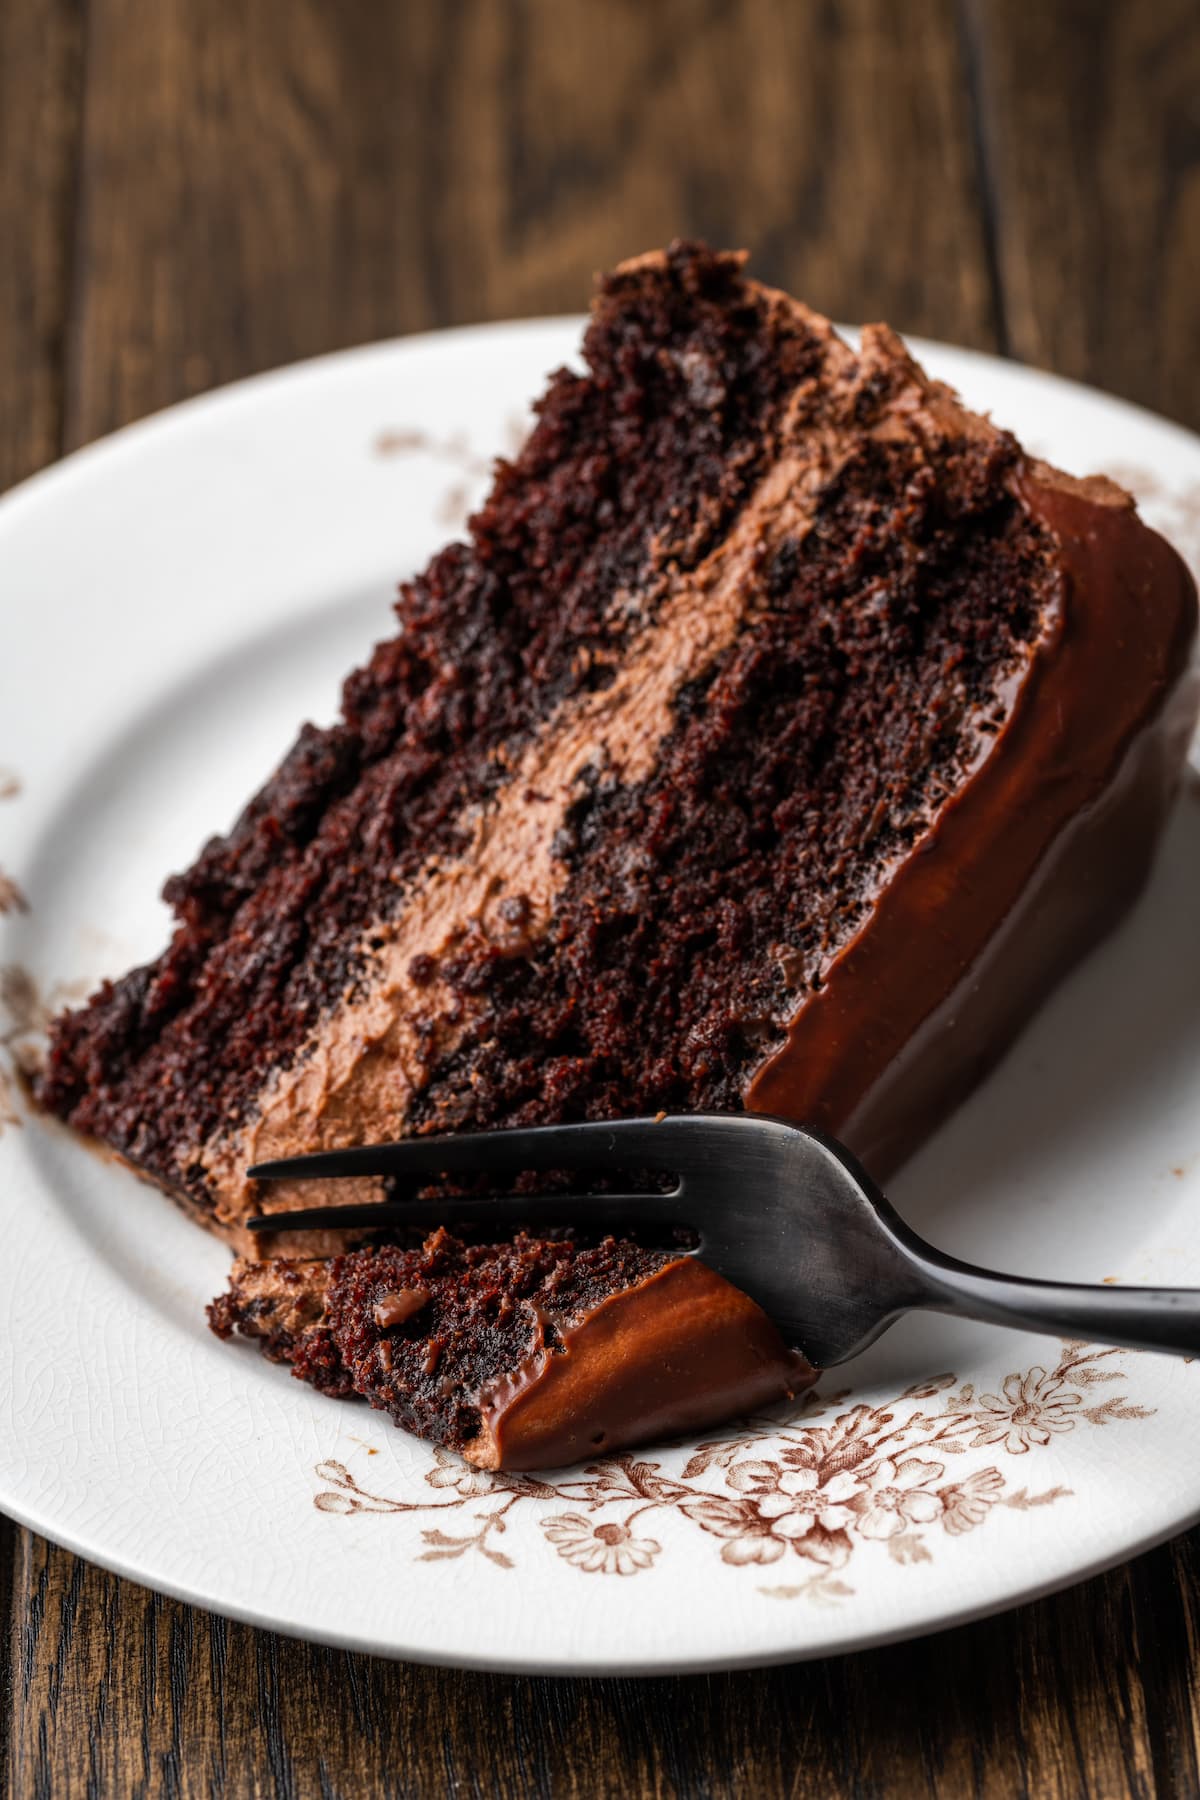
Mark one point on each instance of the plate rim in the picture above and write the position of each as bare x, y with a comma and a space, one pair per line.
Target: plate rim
244, 387
601, 1668
59, 476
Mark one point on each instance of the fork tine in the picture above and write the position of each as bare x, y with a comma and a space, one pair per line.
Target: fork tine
505, 1211
645, 1143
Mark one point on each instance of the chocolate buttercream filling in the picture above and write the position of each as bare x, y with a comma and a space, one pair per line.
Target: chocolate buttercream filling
369, 1057
967, 929
1058, 779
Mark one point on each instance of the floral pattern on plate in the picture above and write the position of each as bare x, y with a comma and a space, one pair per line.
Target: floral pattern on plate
874, 1478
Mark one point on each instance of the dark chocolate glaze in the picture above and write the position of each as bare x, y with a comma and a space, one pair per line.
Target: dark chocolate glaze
1030, 863
680, 1351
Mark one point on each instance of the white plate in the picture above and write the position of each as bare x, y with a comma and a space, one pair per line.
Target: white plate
174, 601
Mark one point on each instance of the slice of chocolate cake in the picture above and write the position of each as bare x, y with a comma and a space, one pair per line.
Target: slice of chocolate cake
526, 1355
778, 715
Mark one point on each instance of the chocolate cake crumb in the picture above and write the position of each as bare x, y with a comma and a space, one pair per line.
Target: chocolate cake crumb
480, 1316
776, 713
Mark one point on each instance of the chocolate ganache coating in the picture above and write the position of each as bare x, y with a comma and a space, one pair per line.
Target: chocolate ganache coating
525, 1355
679, 1352
778, 737
1030, 863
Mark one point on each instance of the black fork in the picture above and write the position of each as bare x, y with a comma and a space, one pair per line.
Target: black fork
784, 1213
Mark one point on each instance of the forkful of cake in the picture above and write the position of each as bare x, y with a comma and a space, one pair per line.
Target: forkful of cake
784, 1214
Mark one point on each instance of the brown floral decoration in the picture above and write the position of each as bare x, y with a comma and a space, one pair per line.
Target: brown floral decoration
25, 1015
455, 450
785, 1492
11, 898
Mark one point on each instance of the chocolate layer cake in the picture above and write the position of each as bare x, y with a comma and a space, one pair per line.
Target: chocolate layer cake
520, 1356
778, 716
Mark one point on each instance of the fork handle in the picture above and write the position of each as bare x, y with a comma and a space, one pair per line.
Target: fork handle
1136, 1318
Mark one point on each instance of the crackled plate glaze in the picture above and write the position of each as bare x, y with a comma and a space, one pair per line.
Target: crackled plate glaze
172, 603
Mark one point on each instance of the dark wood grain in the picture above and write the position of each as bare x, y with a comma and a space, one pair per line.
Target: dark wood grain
40, 108
262, 183
202, 188
40, 102
1090, 113
1091, 1692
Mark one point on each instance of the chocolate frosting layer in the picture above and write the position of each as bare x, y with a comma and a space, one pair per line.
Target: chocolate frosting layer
680, 1351
1040, 849
1061, 778
1034, 858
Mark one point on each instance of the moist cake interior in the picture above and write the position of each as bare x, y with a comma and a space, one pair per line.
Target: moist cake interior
777, 737
822, 608
529, 1354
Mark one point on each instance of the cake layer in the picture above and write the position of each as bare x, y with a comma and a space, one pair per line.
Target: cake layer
520, 1356
1029, 864
779, 717
631, 475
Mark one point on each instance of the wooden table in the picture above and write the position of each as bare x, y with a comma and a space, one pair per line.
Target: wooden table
191, 190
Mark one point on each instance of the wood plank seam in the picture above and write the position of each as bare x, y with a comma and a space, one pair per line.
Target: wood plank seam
973, 51
74, 242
